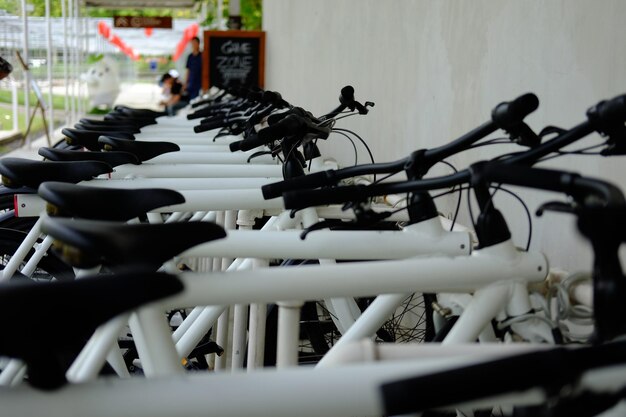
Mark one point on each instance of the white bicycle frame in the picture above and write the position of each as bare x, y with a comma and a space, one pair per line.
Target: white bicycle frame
340, 391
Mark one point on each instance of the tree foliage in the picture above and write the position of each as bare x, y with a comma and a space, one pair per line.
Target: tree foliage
251, 11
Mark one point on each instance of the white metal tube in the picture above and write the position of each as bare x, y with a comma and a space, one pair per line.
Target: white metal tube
159, 342
40, 252
485, 305
182, 183
222, 339
116, 360
352, 390
204, 318
106, 335
22, 251
198, 216
197, 171
242, 199
216, 158
223, 321
337, 244
367, 350
10, 371
288, 333
217, 261
257, 325
140, 344
187, 322
365, 326
194, 333
239, 335
464, 274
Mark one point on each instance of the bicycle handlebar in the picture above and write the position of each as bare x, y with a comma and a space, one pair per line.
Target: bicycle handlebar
205, 127
504, 115
559, 366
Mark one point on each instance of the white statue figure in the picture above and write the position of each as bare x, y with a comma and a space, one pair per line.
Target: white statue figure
102, 82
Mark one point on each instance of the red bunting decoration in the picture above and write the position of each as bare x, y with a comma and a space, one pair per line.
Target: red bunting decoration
189, 32
148, 32
105, 31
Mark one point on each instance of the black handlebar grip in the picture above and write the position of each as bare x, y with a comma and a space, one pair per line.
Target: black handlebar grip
312, 198
317, 179
199, 114
287, 126
277, 117
235, 146
515, 174
512, 113
269, 96
347, 93
251, 142
608, 114
205, 127
255, 95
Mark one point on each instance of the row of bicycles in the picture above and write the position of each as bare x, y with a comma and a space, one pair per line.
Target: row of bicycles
217, 263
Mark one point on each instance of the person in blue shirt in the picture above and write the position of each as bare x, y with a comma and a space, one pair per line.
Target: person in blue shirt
193, 79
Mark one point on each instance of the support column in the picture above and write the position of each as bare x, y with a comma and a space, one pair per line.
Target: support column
25, 56
50, 112
65, 63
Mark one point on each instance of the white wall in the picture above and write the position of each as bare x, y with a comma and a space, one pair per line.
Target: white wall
435, 69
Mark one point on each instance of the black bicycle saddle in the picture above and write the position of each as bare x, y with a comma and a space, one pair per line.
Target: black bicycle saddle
114, 127
89, 139
18, 172
119, 246
95, 203
46, 324
112, 158
143, 150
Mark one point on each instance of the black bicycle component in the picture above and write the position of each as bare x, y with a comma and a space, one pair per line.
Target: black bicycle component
89, 139
18, 172
96, 203
112, 158
552, 369
108, 128
300, 199
505, 115
88, 243
557, 206
41, 336
144, 151
257, 154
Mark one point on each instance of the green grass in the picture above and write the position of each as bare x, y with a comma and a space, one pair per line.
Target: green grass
58, 101
6, 120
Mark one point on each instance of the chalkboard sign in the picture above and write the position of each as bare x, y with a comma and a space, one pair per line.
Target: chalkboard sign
233, 58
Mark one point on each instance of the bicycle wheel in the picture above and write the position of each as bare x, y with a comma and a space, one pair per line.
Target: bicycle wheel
51, 266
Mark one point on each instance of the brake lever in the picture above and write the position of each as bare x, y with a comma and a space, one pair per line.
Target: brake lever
558, 206
260, 153
223, 132
549, 130
364, 217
